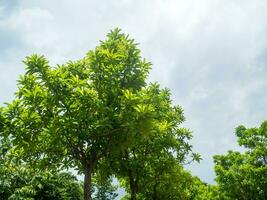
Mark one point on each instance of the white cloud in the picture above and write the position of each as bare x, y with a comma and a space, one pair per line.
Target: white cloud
211, 54
33, 25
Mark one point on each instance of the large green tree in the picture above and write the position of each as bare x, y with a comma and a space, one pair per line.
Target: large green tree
75, 114
244, 175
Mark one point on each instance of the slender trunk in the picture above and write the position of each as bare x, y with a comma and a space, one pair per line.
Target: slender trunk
133, 192
133, 195
87, 185
133, 186
133, 182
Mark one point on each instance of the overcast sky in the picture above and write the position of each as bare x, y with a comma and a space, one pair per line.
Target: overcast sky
210, 53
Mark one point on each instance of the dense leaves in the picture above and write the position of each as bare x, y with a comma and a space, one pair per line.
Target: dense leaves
151, 162
244, 175
74, 114
24, 182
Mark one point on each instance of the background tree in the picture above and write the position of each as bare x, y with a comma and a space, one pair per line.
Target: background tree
24, 182
147, 164
244, 175
255, 141
171, 181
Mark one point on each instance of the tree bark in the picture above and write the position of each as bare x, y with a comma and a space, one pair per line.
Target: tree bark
87, 185
133, 193
133, 186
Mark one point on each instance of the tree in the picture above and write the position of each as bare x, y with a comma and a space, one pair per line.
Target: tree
24, 182
145, 166
171, 181
255, 141
244, 175
76, 114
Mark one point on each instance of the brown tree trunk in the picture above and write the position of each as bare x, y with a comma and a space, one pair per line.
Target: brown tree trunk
87, 185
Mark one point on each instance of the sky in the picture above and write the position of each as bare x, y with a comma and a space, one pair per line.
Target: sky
211, 54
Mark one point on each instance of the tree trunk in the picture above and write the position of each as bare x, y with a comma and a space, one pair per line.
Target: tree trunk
133, 185
132, 179
87, 185
133, 193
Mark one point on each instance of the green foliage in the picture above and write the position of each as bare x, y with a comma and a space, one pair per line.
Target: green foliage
171, 181
244, 175
148, 164
176, 183
74, 114
78, 111
255, 141
104, 189
199, 190
22, 182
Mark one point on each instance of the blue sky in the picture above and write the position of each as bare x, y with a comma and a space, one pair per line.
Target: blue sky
210, 53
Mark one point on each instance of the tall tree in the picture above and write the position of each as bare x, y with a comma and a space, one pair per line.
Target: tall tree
73, 115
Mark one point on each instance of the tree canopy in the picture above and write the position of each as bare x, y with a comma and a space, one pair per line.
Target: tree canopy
100, 116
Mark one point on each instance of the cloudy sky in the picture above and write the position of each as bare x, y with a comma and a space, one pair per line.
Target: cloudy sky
212, 54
